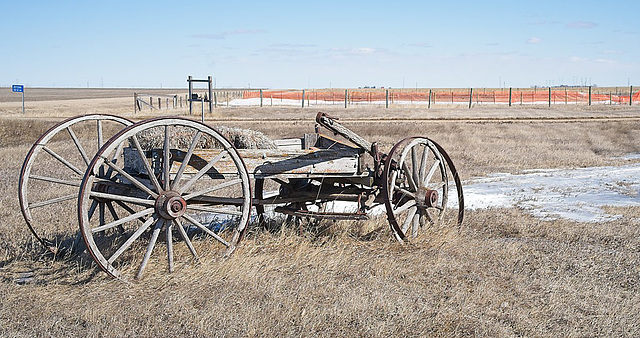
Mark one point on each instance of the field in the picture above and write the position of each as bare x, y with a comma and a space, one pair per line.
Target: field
502, 273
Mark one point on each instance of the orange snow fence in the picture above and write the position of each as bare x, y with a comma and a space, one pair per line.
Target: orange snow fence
557, 95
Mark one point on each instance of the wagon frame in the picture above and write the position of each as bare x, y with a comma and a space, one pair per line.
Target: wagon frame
132, 191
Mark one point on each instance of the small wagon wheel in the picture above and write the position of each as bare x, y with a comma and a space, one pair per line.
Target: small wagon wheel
53, 170
166, 175
416, 186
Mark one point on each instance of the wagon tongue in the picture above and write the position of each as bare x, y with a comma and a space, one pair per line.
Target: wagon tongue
338, 216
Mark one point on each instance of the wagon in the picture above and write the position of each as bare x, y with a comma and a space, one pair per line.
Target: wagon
165, 192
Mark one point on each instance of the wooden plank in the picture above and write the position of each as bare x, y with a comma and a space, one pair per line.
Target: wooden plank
263, 162
289, 144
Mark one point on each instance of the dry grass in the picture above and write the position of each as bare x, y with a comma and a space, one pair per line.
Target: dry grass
503, 273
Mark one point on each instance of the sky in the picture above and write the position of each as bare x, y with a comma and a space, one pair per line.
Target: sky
320, 44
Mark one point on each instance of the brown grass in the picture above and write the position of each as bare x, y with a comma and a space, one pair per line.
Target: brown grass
504, 273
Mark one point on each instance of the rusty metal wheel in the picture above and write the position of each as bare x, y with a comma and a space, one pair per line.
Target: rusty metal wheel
416, 186
166, 175
52, 172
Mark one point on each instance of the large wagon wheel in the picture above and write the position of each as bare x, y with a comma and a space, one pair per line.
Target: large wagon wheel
169, 175
53, 170
416, 186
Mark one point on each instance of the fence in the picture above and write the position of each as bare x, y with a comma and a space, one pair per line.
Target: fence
429, 97
170, 101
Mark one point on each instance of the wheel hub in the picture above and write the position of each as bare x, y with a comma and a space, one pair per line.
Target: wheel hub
426, 197
170, 205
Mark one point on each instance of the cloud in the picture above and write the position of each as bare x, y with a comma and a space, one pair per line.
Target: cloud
421, 45
354, 51
225, 34
534, 39
364, 50
291, 45
542, 23
582, 24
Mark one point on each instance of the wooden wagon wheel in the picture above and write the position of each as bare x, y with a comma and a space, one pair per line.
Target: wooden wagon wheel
169, 175
416, 186
53, 170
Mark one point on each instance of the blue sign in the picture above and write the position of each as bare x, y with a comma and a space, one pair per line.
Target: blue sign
17, 88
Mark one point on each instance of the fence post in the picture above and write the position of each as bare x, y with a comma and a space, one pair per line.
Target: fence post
303, 98
386, 98
260, 97
509, 96
630, 95
549, 96
159, 104
565, 95
346, 97
135, 103
210, 94
202, 100
470, 97
429, 104
589, 95
190, 97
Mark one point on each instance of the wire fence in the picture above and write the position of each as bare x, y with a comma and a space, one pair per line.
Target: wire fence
432, 97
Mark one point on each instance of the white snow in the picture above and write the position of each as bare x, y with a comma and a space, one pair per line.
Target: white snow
575, 194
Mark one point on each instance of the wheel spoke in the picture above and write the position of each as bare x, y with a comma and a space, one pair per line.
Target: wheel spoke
407, 221
152, 244
101, 214
123, 220
165, 159
414, 165
169, 229
405, 206
217, 187
113, 160
79, 146
185, 161
405, 192
132, 179
63, 161
92, 208
128, 209
52, 201
56, 180
207, 230
432, 171
214, 210
423, 163
412, 184
184, 235
100, 140
147, 166
416, 224
201, 172
131, 239
427, 214
112, 197
112, 211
